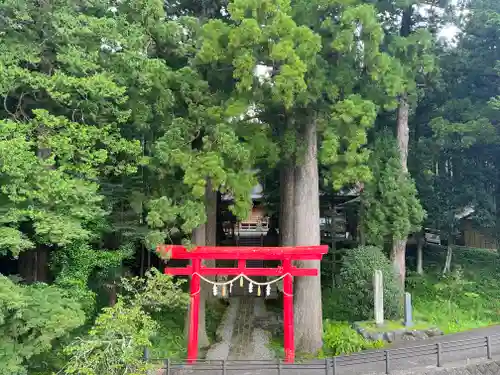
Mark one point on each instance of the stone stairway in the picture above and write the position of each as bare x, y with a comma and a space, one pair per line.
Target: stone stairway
249, 241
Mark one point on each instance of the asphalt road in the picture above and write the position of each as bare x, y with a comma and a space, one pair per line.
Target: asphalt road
453, 349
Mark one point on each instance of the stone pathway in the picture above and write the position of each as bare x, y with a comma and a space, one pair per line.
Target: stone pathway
242, 334
240, 339
220, 350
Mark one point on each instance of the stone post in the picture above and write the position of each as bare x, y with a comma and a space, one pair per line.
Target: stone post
408, 310
378, 294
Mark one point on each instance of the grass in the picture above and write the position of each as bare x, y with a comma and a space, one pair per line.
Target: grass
276, 346
393, 325
463, 300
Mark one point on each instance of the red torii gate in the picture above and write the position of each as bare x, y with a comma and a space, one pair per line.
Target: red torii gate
286, 270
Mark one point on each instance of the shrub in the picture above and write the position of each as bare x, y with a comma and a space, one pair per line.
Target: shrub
340, 338
116, 342
356, 276
334, 306
32, 319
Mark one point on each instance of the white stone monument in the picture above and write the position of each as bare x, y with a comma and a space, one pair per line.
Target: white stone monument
378, 297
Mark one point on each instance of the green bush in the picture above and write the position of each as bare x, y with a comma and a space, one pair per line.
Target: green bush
120, 333
169, 340
334, 306
32, 319
356, 277
340, 338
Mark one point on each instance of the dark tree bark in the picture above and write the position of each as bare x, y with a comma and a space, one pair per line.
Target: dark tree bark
211, 207
287, 209
307, 301
198, 238
210, 233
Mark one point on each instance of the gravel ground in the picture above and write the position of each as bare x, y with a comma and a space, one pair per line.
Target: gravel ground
260, 345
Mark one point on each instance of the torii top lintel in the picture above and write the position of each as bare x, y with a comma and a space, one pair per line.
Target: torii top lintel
244, 252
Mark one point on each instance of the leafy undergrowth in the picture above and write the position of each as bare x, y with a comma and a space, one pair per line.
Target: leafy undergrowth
465, 299
170, 341
340, 338
214, 318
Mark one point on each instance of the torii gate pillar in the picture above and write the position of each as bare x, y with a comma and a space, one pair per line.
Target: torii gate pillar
285, 254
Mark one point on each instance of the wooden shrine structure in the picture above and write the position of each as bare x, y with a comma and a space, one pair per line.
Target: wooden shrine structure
286, 271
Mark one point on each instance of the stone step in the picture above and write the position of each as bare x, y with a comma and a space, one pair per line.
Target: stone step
249, 241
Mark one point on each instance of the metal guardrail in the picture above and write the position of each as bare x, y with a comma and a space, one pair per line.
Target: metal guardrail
386, 360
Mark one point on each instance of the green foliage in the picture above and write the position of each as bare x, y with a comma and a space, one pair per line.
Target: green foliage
60, 125
31, 319
116, 342
256, 28
170, 339
115, 115
77, 263
464, 299
154, 292
455, 159
340, 338
391, 208
114, 345
356, 277
343, 140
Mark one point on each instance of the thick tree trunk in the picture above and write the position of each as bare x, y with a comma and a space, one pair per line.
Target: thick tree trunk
307, 303
403, 133
211, 207
287, 206
403, 137
27, 265
112, 294
420, 253
398, 260
449, 255
210, 233
42, 264
199, 238
360, 228
34, 265
398, 254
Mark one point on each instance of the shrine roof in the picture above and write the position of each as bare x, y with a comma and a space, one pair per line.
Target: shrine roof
243, 252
